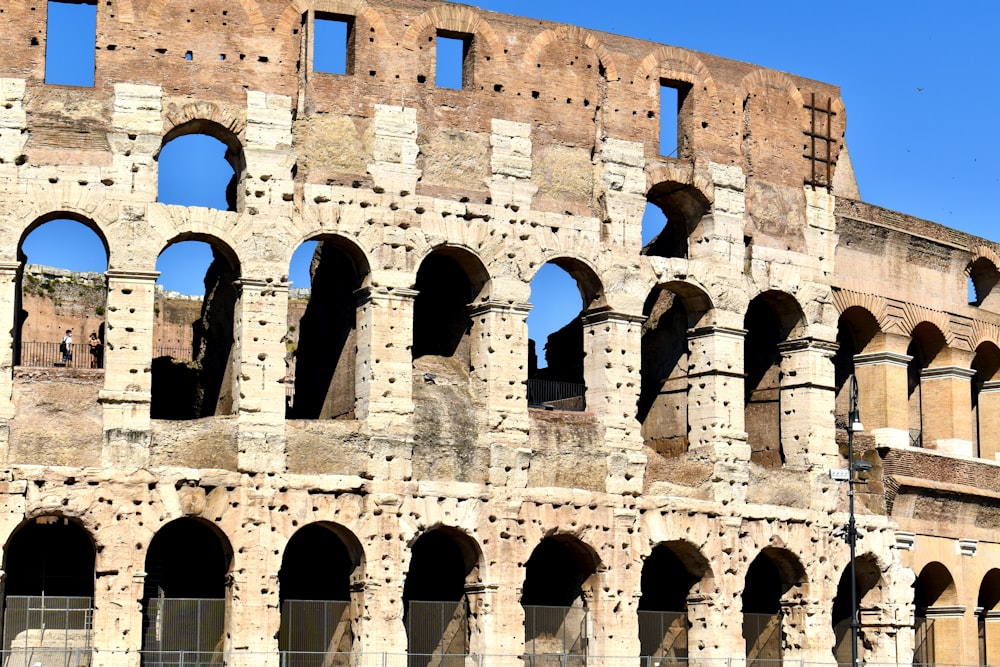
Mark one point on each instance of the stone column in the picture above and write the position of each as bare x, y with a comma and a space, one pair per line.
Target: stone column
882, 387
807, 400
384, 389
260, 328
988, 414
510, 165
500, 365
611, 363
945, 409
807, 631
128, 351
395, 149
945, 635
10, 307
715, 408
881, 629
991, 631
118, 589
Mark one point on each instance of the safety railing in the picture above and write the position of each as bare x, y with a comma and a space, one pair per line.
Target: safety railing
39, 354
556, 395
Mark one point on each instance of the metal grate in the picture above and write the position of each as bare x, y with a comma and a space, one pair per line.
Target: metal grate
315, 633
555, 395
183, 632
437, 633
555, 636
44, 631
663, 636
821, 154
762, 633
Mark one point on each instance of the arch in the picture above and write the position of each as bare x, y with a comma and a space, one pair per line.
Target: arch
934, 586
762, 78
470, 262
671, 56
588, 281
75, 216
684, 206
917, 316
988, 618
352, 250
983, 271
225, 250
574, 34
454, 18
250, 7
876, 305
558, 570
311, 598
681, 174
869, 592
857, 331
290, 18
220, 123
771, 577
669, 574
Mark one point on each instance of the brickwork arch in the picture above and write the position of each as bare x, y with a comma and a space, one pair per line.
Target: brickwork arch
292, 15
914, 316
875, 305
762, 78
659, 173
679, 64
984, 333
250, 8
571, 33
454, 18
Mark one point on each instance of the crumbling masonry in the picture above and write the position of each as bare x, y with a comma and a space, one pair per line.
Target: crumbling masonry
410, 473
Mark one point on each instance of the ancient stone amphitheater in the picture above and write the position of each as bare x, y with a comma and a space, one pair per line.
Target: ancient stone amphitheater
421, 492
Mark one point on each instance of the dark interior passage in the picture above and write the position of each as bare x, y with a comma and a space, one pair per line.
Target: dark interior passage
441, 322
52, 556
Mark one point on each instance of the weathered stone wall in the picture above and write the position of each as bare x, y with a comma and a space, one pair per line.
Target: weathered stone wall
548, 153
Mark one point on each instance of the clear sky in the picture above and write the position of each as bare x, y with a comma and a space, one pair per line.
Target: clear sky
920, 81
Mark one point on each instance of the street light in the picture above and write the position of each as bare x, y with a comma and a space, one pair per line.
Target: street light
853, 426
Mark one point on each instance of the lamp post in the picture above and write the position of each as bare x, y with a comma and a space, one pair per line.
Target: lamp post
853, 425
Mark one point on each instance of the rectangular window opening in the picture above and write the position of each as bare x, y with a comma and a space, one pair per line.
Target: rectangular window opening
675, 118
70, 42
452, 60
333, 43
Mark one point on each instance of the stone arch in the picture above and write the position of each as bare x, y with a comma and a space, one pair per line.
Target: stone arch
470, 262
858, 332
73, 535
682, 65
872, 303
234, 193
571, 33
349, 246
250, 7
871, 591
983, 272
217, 242
683, 205
934, 586
359, 8
670, 574
658, 173
307, 592
917, 316
771, 580
587, 279
227, 125
454, 18
76, 216
762, 78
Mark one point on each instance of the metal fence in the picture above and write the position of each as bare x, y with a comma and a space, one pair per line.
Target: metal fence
555, 636
437, 633
47, 631
184, 353
555, 395
313, 632
49, 354
663, 635
183, 632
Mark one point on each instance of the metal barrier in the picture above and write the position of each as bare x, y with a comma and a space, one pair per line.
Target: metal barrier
177, 353
38, 354
184, 632
555, 636
555, 395
47, 631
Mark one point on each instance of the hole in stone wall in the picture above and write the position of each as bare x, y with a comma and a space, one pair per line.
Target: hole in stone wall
70, 37
452, 50
333, 39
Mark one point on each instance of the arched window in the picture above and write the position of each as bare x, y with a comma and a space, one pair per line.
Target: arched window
668, 575
554, 597
771, 576
49, 591
868, 592
936, 626
194, 331
184, 594
201, 163
665, 232
319, 587
436, 606
321, 342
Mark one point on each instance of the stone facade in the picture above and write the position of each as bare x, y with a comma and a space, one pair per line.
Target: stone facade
715, 359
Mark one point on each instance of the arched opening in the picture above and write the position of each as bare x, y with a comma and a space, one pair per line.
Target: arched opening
856, 329
321, 342
868, 593
194, 354
554, 597
926, 342
184, 594
770, 320
662, 408
983, 278
557, 317
319, 586
985, 387
682, 206
201, 163
988, 618
770, 577
49, 592
668, 575
436, 606
62, 292
936, 627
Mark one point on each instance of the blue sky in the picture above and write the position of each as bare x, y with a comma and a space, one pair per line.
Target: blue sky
920, 82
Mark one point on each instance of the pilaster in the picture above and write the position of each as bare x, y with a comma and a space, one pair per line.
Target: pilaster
882, 390
499, 366
385, 338
946, 409
988, 413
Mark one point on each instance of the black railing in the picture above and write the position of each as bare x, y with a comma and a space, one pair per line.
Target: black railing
555, 395
40, 354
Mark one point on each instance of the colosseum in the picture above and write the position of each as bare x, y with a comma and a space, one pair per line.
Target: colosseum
660, 481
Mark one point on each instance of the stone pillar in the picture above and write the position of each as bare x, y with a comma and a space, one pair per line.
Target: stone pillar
118, 588
945, 406
991, 632
806, 631
611, 363
387, 563
718, 237
499, 366
715, 408
395, 149
614, 602
882, 387
623, 191
988, 413
510, 164
807, 400
384, 387
10, 306
128, 351
945, 636
881, 629
260, 328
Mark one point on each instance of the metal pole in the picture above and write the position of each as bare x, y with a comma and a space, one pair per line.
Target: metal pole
852, 535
